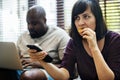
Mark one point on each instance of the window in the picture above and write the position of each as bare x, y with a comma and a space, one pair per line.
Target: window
110, 9
67, 12
13, 15
12, 19
111, 12
60, 13
50, 8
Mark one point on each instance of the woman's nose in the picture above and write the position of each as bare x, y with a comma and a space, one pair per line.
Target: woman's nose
81, 22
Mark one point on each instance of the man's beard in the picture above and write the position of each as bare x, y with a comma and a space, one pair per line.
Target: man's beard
35, 34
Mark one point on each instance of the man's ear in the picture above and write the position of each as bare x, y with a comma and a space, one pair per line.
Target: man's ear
45, 20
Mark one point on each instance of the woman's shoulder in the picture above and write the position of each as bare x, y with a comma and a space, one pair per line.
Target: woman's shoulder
71, 43
112, 38
113, 35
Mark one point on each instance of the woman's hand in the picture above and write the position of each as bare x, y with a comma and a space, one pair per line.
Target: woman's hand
37, 56
90, 36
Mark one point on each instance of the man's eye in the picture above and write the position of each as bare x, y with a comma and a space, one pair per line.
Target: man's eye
35, 23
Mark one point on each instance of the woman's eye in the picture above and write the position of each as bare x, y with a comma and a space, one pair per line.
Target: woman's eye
77, 18
86, 16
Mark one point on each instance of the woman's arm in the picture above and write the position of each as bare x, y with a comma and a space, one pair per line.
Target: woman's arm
103, 70
55, 72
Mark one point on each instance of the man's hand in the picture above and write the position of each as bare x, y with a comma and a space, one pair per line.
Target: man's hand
26, 62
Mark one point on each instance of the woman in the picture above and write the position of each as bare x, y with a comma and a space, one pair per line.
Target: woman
92, 46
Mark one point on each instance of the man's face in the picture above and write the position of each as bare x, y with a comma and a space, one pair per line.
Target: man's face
36, 26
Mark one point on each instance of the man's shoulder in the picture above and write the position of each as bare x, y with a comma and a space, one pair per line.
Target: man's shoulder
57, 32
24, 37
57, 29
24, 34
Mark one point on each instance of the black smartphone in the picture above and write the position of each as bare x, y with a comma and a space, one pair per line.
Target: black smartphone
47, 58
34, 47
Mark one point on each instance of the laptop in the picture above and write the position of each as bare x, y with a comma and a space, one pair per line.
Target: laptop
9, 56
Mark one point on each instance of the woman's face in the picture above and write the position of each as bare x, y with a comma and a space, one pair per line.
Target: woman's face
85, 20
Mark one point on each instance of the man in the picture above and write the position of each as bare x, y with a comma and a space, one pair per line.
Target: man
52, 40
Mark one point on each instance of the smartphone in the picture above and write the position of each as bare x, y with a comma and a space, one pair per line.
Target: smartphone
47, 58
34, 47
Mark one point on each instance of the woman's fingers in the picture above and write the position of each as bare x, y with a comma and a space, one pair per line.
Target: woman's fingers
38, 56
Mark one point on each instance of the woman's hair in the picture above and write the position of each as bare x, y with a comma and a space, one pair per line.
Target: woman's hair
79, 7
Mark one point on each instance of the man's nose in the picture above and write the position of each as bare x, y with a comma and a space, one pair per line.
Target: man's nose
31, 26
